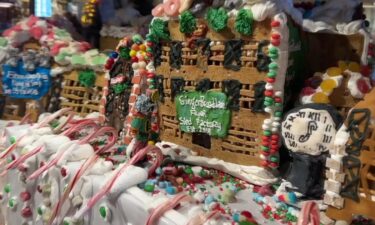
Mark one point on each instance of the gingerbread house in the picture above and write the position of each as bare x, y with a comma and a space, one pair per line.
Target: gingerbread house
253, 72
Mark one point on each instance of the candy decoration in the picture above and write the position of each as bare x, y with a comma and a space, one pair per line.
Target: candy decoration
320, 97
105, 213
12, 203
7, 188
25, 196
26, 212
334, 71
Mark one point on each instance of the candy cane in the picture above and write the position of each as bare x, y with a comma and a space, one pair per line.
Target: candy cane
201, 219
108, 186
309, 214
60, 154
161, 209
85, 166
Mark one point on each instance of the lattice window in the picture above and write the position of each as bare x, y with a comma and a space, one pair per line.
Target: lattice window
241, 141
217, 54
247, 96
165, 51
81, 99
249, 54
189, 56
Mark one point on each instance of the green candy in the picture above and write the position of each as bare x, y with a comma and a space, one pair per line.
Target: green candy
278, 113
274, 159
278, 104
273, 66
12, 203
103, 212
40, 211
273, 55
271, 74
267, 133
188, 170
266, 103
7, 188
66, 222
273, 50
12, 140
149, 187
265, 148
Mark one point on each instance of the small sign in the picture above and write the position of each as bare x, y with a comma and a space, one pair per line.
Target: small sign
43, 8
200, 112
19, 83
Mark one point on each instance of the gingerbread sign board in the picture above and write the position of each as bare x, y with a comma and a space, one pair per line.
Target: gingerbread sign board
207, 112
310, 129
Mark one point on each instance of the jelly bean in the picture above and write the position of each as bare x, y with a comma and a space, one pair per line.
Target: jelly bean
363, 86
334, 71
171, 190
320, 97
328, 85
354, 67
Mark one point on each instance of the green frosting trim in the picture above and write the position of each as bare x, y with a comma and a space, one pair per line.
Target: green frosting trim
3, 42
99, 60
159, 28
244, 22
217, 19
87, 78
62, 33
188, 23
125, 53
119, 88
78, 60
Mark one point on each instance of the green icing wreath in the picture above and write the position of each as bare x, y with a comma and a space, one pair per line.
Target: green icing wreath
87, 78
244, 22
119, 88
188, 23
159, 28
217, 19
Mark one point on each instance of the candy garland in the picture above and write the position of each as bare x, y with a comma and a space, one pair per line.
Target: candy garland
273, 94
144, 78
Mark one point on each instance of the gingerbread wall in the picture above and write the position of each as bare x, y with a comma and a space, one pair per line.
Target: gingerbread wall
244, 136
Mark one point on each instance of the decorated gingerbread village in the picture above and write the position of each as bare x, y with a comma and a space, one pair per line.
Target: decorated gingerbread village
226, 112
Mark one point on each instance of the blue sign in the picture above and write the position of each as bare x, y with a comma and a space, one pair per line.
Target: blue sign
19, 83
43, 8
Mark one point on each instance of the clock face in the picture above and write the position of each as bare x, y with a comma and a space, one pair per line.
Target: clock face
309, 130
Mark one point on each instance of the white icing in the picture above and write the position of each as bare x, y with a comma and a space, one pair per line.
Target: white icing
251, 174
264, 10
352, 84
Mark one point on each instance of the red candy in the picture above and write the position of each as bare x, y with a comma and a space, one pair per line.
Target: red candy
264, 163
275, 23
275, 42
268, 93
365, 71
247, 214
307, 91
363, 86
63, 172
26, 212
275, 36
25, 196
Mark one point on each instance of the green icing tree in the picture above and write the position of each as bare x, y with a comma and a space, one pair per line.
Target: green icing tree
244, 22
188, 23
217, 19
159, 29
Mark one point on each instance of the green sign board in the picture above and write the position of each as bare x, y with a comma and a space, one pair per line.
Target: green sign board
200, 112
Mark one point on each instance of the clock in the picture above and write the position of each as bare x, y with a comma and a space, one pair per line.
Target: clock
310, 129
